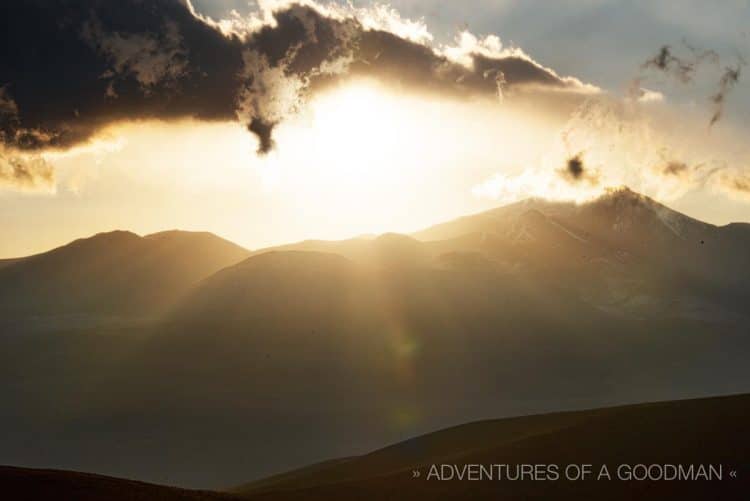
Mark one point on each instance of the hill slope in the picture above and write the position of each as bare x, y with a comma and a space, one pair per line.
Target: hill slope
116, 273
623, 252
25, 484
706, 431
620, 230
710, 431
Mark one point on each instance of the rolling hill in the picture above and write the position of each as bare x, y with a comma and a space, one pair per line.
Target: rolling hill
697, 432
689, 432
116, 274
26, 484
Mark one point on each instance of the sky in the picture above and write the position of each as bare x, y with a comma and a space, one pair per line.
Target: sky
336, 120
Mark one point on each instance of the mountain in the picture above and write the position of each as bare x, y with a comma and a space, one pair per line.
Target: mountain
366, 340
620, 214
688, 432
623, 252
622, 231
262, 286
289, 355
116, 274
633, 252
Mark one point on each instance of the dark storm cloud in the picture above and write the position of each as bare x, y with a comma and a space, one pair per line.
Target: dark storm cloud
70, 67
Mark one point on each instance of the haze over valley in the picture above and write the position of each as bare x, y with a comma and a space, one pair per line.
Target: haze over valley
204, 364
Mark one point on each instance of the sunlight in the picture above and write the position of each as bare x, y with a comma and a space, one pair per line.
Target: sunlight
356, 159
359, 158
360, 122
356, 135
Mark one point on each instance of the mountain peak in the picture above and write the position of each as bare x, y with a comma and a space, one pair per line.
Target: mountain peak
176, 233
627, 209
623, 194
394, 239
113, 272
618, 211
104, 239
111, 235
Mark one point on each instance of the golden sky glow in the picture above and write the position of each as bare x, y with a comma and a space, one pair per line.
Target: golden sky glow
362, 158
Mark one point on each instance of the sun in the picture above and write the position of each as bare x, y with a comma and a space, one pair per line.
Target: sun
369, 157
356, 137
362, 124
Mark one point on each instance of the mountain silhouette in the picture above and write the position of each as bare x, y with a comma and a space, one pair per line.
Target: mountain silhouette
256, 362
622, 252
115, 273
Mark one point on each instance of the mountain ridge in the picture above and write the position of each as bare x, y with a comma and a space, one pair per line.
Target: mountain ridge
622, 196
112, 272
280, 358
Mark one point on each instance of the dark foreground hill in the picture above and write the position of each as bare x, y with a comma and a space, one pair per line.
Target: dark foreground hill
704, 432
25, 484
710, 432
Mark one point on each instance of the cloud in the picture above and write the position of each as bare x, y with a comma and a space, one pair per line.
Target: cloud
643, 95
149, 58
575, 167
734, 182
20, 171
26, 173
609, 142
8, 107
675, 168
269, 95
684, 68
575, 171
728, 80
739, 182
75, 68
